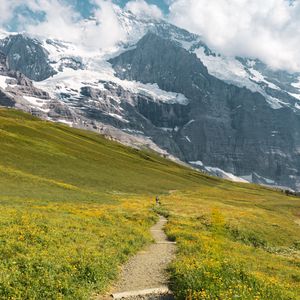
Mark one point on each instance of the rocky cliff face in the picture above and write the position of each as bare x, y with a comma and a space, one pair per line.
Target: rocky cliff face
223, 125
6, 101
170, 93
27, 56
103, 111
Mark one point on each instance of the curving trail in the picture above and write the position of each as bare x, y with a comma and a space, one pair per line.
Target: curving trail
144, 275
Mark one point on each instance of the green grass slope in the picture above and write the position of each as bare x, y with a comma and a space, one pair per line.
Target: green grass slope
74, 206
76, 163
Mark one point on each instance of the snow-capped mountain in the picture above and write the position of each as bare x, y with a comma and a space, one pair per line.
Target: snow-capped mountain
163, 88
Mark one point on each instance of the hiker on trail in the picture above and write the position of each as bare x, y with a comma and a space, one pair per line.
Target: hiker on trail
157, 200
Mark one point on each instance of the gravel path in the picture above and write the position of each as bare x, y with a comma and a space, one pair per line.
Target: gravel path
147, 269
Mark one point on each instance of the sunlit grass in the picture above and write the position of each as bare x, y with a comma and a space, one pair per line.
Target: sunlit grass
54, 250
75, 206
234, 242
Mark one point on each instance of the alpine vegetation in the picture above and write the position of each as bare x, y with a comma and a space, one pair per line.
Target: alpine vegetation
149, 149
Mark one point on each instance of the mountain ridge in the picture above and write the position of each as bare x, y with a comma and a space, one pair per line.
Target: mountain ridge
84, 92
223, 112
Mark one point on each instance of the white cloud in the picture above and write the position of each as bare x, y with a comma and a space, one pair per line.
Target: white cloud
62, 21
268, 29
6, 10
143, 9
106, 31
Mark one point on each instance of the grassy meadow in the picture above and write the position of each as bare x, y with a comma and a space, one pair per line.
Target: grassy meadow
234, 241
74, 206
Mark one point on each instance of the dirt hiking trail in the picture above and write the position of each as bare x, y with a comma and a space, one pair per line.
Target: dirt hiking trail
144, 275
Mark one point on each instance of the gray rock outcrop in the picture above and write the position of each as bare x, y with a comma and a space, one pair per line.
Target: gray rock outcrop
225, 126
27, 56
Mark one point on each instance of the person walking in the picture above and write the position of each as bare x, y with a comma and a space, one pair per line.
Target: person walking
157, 201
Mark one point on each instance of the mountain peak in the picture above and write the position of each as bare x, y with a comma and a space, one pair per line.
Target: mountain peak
171, 92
